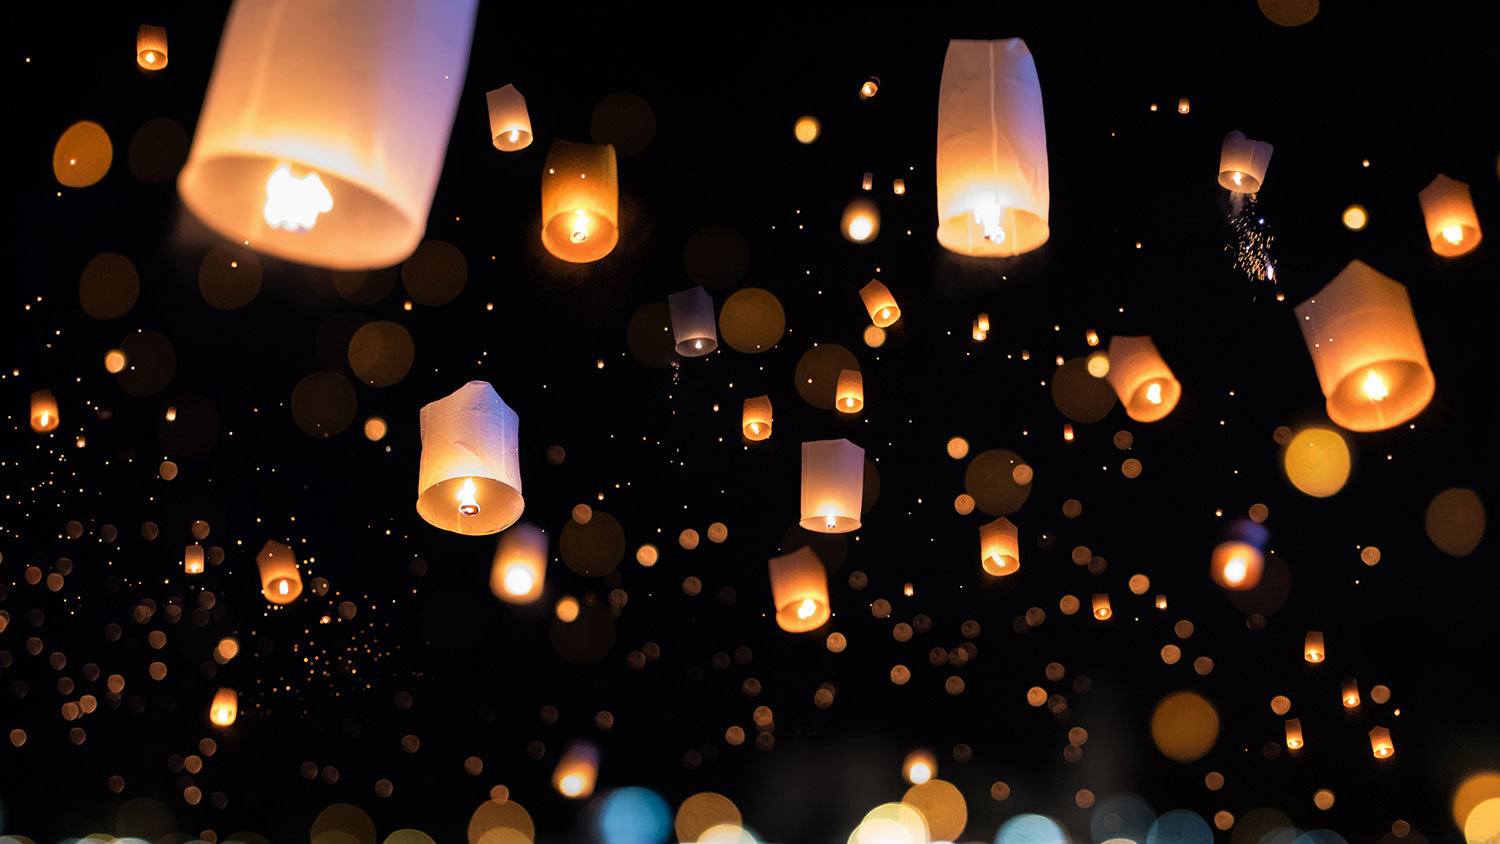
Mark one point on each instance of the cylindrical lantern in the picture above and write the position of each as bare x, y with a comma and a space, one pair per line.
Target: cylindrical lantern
999, 548
850, 397
1243, 162
1141, 378
520, 566
44, 417
868, 181
756, 420
861, 221
1102, 610
880, 303
510, 123
833, 485
279, 580
192, 559
1349, 694
1380, 743
919, 767
469, 479
1367, 350
978, 333
1293, 734
693, 322
1452, 225
151, 47
576, 772
992, 188
799, 589
580, 201
225, 708
1312, 647
1183, 106
1236, 565
311, 146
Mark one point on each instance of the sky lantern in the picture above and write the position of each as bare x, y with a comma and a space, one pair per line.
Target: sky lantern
919, 767
692, 313
510, 123
44, 416
799, 589
1366, 349
225, 708
520, 566
469, 477
577, 771
999, 548
151, 47
1380, 743
309, 147
1312, 647
861, 221
850, 395
1236, 565
192, 559
756, 419
833, 485
1242, 163
1452, 225
580, 201
992, 185
1349, 693
1102, 610
880, 303
279, 580
1141, 379
1293, 734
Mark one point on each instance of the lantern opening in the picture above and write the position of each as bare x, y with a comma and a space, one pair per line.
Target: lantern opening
987, 215
293, 204
515, 135
1153, 392
518, 581
1375, 388
807, 608
580, 227
283, 587
467, 505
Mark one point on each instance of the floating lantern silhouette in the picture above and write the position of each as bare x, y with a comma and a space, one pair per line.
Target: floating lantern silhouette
1349, 693
44, 415
580, 201
880, 303
1452, 225
151, 47
1243, 162
225, 708
756, 418
692, 314
1236, 565
1141, 378
510, 122
833, 477
577, 771
520, 566
192, 559
279, 580
1380, 743
850, 393
1312, 647
999, 548
799, 590
469, 477
1293, 734
1102, 610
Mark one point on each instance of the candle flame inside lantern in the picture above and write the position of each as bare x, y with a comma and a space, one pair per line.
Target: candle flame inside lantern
988, 216
885, 313
283, 587
515, 135
861, 227
580, 227
1375, 388
44, 420
571, 785
293, 204
1235, 569
1153, 392
807, 608
221, 715
1237, 176
150, 57
832, 521
1453, 234
518, 581
754, 427
466, 503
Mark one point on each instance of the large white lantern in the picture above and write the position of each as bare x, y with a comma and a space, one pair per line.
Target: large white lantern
693, 331
469, 480
833, 485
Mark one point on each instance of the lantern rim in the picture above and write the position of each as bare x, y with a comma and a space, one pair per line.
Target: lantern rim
1248, 182
1442, 246
687, 347
501, 505
787, 619
1025, 230
557, 231
1410, 387
1000, 565
502, 140
841, 524
1142, 409
765, 433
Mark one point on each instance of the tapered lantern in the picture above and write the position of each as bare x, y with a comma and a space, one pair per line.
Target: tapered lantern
577, 771
919, 767
1102, 610
1367, 350
1293, 734
469, 479
799, 589
850, 396
151, 47
880, 303
580, 201
1141, 378
833, 485
1380, 743
756, 419
992, 190
1243, 162
225, 708
999, 548
1236, 565
1452, 225
279, 580
1349, 694
192, 559
520, 566
510, 123
1312, 647
311, 146
44, 417
693, 322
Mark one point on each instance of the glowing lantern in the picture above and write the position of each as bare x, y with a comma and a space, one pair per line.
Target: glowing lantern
510, 123
982, 322
978, 333
520, 566
225, 708
999, 547
919, 767
1312, 647
870, 88
880, 303
1350, 693
1183, 106
850, 397
861, 221
1242, 163
44, 415
1452, 225
992, 188
580, 201
799, 589
1367, 350
898, 187
693, 322
469, 478
1101, 607
1293, 734
1236, 565
575, 774
1380, 743
833, 485
309, 147
279, 580
1141, 378
192, 559
756, 419
151, 47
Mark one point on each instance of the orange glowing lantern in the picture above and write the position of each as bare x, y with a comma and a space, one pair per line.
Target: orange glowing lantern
1102, 610
1183, 106
880, 303
44, 416
861, 221
580, 201
1380, 743
510, 122
279, 580
576, 772
1312, 647
833, 485
192, 559
1350, 693
919, 767
225, 708
520, 566
850, 397
692, 313
1236, 565
999, 548
1243, 162
1141, 378
799, 589
869, 88
756, 418
1452, 225
469, 474
1293, 734
151, 47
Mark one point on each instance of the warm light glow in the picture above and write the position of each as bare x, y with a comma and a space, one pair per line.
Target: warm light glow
885, 313
1068, 432
987, 215
861, 227
754, 427
580, 227
920, 773
466, 503
283, 587
567, 609
1355, 217
1380, 743
224, 708
807, 129
1092, 337
919, 767
518, 581
1351, 694
1237, 176
1234, 570
515, 135
571, 785
293, 204
1375, 388
1453, 234
1312, 648
868, 89
1293, 734
807, 608
114, 361
150, 57
1153, 392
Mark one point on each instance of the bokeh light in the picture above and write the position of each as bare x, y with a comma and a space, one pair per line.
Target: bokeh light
633, 816
1317, 462
1184, 726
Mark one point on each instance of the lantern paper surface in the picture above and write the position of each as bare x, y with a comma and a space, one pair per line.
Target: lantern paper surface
192, 559
520, 566
469, 479
833, 485
510, 123
999, 547
1243, 162
580, 201
693, 322
756, 420
880, 303
1452, 225
992, 185
279, 580
1141, 379
225, 708
799, 589
850, 395
323, 132
1312, 647
1380, 743
151, 47
44, 415
577, 771
1367, 350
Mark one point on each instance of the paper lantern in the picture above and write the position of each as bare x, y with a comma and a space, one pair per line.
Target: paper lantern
1349, 694
850, 396
1367, 350
1380, 743
520, 566
279, 580
510, 123
225, 708
1236, 565
978, 333
1141, 379
756, 419
999, 548
833, 485
880, 303
469, 478
192, 559
580, 201
992, 188
870, 88
1452, 225
919, 766
151, 47
576, 772
693, 322
1183, 106
1293, 734
1243, 162
312, 145
861, 221
799, 589
1312, 647
1102, 610
44, 416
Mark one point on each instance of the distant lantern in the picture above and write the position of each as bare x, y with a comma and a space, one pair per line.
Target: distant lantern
1102, 610
983, 322
1183, 106
979, 333
151, 47
1236, 565
880, 303
1141, 378
799, 590
999, 548
192, 559
1380, 743
693, 322
919, 766
520, 566
868, 182
807, 128
580, 201
469, 476
833, 485
870, 88
510, 123
756, 419
861, 221
44, 417
1349, 693
898, 187
309, 147
1243, 162
1366, 349
577, 771
1293, 734
1452, 225
279, 580
1312, 647
850, 395
992, 184
225, 708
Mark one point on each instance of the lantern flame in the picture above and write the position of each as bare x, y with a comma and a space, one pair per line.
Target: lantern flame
580, 227
44, 420
754, 427
885, 313
466, 503
807, 608
1453, 234
1235, 569
1237, 176
150, 57
697, 344
571, 785
1375, 388
518, 581
283, 587
1153, 392
293, 204
515, 135
988, 216
861, 227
